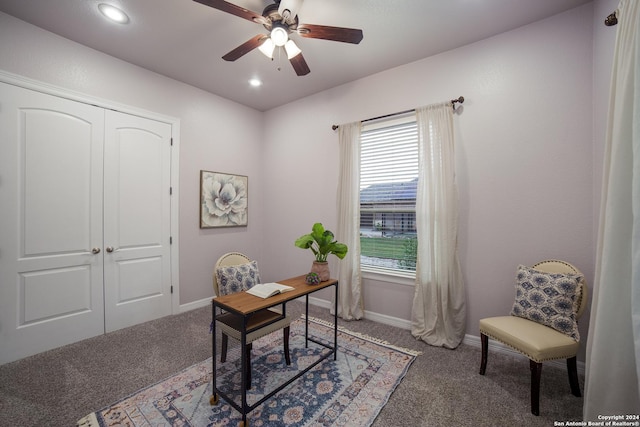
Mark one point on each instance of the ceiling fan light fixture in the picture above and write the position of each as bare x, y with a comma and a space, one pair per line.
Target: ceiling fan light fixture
292, 49
267, 48
279, 35
281, 19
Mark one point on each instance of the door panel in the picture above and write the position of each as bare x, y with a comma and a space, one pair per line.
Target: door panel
54, 293
55, 183
140, 189
50, 218
136, 220
146, 273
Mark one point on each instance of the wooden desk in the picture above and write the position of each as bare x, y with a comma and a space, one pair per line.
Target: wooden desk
246, 313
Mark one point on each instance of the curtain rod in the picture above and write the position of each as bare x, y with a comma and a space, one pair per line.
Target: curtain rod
611, 20
453, 105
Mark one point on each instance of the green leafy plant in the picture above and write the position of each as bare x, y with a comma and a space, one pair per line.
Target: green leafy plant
322, 243
409, 254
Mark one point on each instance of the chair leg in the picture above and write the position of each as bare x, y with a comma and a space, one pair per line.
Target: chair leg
248, 352
485, 350
572, 368
285, 332
223, 349
536, 372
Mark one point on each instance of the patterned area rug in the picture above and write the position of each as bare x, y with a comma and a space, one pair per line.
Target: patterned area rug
350, 391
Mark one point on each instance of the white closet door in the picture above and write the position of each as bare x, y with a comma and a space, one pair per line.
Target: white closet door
136, 220
51, 262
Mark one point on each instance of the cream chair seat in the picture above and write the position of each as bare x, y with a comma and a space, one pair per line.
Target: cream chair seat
230, 324
538, 342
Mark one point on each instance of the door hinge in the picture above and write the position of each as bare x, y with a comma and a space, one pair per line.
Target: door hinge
170, 191
171, 288
171, 240
172, 142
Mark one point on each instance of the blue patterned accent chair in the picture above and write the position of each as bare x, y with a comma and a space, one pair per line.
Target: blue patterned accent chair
550, 297
235, 272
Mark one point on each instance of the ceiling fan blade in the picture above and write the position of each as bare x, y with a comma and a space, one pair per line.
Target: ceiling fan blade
300, 65
245, 47
338, 34
235, 10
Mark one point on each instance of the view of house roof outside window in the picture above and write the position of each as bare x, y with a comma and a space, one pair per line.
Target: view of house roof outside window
388, 184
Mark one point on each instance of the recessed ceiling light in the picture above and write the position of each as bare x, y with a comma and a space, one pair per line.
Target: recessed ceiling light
255, 82
113, 13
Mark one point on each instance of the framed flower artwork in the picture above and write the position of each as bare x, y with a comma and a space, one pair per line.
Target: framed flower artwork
223, 200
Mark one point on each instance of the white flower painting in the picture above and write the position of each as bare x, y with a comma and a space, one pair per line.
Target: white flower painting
223, 200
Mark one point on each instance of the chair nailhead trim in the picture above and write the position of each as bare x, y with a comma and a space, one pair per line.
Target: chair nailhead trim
528, 355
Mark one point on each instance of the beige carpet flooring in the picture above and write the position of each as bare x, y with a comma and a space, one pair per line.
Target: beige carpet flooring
441, 388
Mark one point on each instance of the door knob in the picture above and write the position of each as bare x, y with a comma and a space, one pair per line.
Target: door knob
95, 250
109, 249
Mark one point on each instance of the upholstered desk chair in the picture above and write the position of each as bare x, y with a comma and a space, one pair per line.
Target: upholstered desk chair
235, 272
538, 342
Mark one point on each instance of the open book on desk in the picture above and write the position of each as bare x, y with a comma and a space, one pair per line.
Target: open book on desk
266, 290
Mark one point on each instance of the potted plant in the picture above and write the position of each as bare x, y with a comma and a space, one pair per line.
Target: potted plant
322, 243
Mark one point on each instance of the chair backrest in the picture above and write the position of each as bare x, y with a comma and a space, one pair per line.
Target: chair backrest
556, 266
231, 258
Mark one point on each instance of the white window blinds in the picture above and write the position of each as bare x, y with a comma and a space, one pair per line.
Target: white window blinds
388, 182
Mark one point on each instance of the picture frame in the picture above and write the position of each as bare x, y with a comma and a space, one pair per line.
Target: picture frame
223, 200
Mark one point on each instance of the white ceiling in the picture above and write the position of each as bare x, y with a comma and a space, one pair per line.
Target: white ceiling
185, 40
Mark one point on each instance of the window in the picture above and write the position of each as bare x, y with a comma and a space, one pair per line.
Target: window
388, 184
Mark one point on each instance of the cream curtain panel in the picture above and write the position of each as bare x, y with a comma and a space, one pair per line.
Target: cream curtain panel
612, 381
438, 313
350, 305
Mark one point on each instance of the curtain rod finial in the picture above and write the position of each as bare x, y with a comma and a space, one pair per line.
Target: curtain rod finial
334, 127
460, 100
611, 20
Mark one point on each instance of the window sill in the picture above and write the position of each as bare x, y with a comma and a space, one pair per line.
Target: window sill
405, 279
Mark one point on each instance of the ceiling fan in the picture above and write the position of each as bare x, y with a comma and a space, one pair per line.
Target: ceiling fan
281, 19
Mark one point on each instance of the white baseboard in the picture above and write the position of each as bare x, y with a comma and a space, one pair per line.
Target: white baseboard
319, 302
376, 317
472, 340
195, 304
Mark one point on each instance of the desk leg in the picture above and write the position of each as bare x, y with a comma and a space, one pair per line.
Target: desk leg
306, 322
243, 367
213, 399
335, 325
